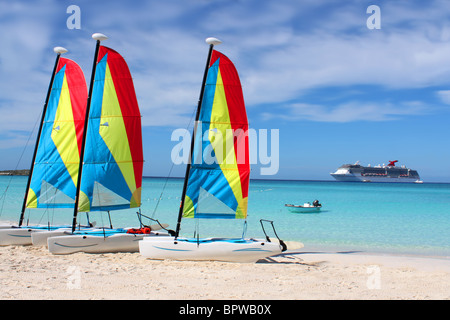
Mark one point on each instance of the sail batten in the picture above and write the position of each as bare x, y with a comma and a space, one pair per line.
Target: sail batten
218, 179
113, 156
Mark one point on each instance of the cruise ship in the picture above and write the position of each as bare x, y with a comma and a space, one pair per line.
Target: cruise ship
384, 173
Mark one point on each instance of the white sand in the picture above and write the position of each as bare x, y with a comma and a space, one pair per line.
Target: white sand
33, 273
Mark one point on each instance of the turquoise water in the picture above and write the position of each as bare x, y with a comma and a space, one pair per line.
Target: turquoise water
374, 217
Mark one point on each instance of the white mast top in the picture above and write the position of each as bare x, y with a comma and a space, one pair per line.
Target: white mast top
213, 41
99, 36
60, 50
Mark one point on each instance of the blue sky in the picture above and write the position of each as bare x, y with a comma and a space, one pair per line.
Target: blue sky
337, 91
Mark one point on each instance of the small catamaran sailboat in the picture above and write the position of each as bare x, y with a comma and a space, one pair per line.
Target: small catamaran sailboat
111, 171
54, 170
216, 188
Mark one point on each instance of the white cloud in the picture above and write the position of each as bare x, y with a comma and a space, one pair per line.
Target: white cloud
444, 95
25, 63
403, 60
347, 112
281, 49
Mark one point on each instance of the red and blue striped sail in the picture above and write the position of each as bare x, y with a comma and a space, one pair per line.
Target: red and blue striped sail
55, 173
220, 171
113, 159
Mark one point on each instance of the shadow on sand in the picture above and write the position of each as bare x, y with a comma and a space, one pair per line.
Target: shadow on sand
294, 257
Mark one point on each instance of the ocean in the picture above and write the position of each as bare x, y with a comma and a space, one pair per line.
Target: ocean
410, 219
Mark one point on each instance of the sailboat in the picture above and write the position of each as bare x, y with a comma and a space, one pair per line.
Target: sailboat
111, 171
52, 181
215, 188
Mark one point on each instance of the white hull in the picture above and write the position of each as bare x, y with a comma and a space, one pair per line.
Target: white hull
19, 235
15, 236
40, 238
7, 226
119, 242
229, 250
300, 209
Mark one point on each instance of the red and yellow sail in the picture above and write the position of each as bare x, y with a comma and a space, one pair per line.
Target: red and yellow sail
55, 172
220, 171
113, 160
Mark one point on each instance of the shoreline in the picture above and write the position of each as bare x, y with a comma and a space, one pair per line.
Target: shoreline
32, 273
436, 253
403, 251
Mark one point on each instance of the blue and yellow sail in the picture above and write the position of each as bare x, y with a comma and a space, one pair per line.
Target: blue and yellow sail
113, 159
220, 169
55, 172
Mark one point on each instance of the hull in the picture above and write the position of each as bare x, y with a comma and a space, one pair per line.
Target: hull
20, 235
40, 238
7, 226
215, 249
15, 236
300, 209
88, 243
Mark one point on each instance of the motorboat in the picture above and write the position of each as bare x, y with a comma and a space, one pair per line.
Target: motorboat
305, 208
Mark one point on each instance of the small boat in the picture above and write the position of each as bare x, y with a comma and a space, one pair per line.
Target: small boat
217, 249
40, 238
305, 208
100, 240
54, 166
216, 189
23, 235
110, 176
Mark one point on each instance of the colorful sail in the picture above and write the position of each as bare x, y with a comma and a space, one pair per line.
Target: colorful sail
220, 171
54, 179
113, 160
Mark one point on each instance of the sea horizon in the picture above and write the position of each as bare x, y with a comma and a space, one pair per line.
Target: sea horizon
311, 180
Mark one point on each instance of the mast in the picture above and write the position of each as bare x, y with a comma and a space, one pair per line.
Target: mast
99, 37
212, 42
58, 51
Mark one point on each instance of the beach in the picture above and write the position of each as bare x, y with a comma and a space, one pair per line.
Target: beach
32, 273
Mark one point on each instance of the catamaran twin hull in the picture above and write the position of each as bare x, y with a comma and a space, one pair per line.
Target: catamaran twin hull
216, 249
40, 238
88, 243
22, 236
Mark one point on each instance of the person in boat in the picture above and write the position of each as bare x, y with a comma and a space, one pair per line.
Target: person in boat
316, 203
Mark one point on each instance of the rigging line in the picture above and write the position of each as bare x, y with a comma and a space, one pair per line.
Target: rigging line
96, 193
42, 216
171, 167
51, 213
197, 229
45, 190
3, 196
